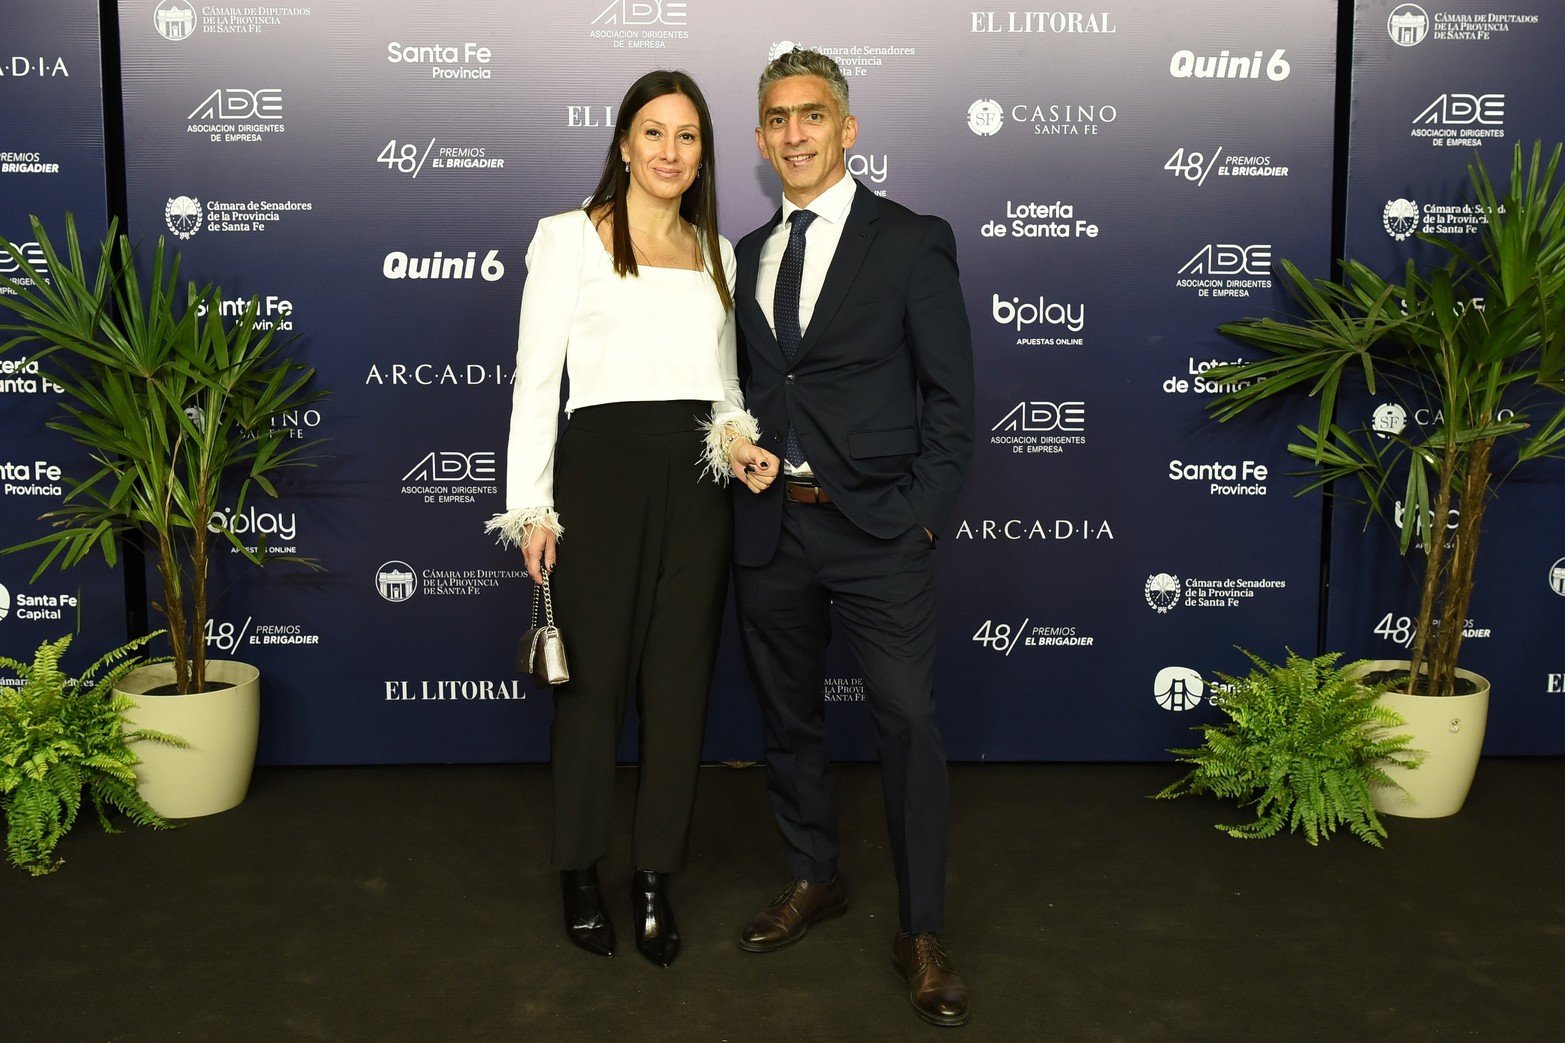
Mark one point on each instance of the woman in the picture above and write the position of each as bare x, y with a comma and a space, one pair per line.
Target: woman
632, 297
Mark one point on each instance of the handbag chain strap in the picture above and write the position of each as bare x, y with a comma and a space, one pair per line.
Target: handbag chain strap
547, 600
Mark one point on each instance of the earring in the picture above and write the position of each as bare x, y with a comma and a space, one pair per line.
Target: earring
627, 166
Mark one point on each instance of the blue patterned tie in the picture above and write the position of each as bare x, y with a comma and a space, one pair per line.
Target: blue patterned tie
785, 307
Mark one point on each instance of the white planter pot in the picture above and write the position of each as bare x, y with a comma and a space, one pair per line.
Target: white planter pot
213, 774
1450, 731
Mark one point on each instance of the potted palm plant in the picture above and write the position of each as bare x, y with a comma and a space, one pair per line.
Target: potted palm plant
175, 406
1479, 339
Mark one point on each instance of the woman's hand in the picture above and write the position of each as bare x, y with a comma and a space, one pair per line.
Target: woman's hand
752, 465
539, 553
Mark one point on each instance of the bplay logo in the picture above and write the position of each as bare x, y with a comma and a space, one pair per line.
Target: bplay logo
1407, 25
1557, 577
396, 581
255, 523
1427, 523
1178, 688
985, 117
183, 216
174, 19
871, 167
1018, 313
1161, 591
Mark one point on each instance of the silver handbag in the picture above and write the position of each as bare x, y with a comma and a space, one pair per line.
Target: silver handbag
542, 652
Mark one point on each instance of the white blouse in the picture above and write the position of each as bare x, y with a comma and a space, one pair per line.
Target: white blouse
660, 335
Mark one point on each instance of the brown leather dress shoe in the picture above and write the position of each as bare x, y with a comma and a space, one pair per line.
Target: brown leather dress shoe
936, 991
791, 913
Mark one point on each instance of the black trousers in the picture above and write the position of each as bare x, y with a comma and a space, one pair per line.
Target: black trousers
883, 595
638, 593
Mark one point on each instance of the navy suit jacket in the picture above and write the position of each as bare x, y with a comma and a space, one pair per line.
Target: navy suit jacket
880, 392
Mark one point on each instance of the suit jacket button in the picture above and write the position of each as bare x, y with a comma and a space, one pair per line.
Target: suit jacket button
788, 380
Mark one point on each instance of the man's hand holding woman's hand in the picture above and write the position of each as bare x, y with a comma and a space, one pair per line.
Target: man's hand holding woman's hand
752, 465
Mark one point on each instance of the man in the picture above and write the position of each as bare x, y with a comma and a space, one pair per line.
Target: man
857, 364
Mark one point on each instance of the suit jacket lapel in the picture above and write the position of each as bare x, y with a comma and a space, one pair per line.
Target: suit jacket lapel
753, 320
858, 233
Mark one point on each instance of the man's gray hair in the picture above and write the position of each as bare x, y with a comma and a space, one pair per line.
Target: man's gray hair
800, 62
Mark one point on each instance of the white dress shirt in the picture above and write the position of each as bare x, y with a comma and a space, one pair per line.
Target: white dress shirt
660, 335
820, 245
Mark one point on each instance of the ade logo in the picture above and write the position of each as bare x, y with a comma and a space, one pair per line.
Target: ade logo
643, 12
1230, 259
31, 253
450, 466
237, 103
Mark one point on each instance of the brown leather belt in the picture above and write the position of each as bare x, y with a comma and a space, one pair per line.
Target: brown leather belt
805, 492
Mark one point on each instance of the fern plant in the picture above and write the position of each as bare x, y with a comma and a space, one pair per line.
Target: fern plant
1304, 743
60, 737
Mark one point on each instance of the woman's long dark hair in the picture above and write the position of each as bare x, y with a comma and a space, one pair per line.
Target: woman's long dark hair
699, 203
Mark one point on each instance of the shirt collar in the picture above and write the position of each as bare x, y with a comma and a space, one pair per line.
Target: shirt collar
832, 204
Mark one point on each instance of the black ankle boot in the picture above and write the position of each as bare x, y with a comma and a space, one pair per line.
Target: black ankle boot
586, 924
657, 936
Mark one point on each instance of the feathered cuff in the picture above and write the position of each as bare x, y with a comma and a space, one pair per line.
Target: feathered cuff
516, 527
721, 430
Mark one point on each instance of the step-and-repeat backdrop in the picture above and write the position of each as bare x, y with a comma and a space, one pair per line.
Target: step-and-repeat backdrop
1434, 86
51, 162
1121, 180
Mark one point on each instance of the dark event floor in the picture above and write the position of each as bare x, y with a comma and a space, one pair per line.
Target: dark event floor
416, 903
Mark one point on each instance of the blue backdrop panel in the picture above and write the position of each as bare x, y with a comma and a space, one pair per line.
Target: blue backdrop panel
1114, 543
1433, 86
51, 163
381, 167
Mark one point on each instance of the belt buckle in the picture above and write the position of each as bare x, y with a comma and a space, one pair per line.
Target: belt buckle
805, 491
